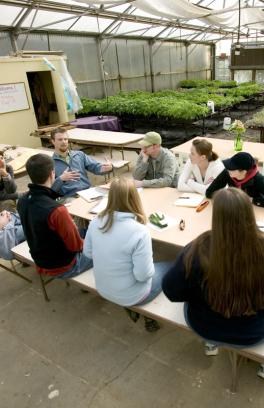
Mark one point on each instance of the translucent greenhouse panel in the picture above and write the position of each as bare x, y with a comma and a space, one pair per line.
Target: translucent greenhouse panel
38, 42
82, 59
131, 84
128, 61
127, 28
109, 52
91, 90
5, 44
90, 24
199, 61
169, 64
222, 71
8, 14
49, 19
260, 76
244, 75
153, 32
133, 57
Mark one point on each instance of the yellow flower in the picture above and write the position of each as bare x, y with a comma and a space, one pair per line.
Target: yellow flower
237, 127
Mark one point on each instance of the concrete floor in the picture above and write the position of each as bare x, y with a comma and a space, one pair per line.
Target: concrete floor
80, 351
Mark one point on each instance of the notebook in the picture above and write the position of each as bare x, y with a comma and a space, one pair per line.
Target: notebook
91, 194
189, 200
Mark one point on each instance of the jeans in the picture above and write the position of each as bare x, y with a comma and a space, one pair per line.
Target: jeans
82, 264
161, 269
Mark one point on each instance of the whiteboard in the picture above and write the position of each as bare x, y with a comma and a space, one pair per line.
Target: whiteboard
13, 97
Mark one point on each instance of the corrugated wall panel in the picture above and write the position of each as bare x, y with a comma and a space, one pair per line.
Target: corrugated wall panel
126, 62
83, 62
169, 64
5, 44
38, 42
199, 61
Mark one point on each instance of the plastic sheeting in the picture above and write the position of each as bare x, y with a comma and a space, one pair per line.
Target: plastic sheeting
183, 9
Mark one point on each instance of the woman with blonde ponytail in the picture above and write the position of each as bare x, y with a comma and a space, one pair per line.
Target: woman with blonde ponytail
120, 244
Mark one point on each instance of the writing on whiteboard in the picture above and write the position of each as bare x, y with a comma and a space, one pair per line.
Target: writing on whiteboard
13, 97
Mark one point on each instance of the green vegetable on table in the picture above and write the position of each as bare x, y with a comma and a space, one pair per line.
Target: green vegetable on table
158, 220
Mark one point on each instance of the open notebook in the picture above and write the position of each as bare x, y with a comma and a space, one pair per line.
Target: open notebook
189, 200
91, 194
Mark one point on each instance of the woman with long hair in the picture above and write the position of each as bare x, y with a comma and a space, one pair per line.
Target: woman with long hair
202, 167
220, 276
120, 245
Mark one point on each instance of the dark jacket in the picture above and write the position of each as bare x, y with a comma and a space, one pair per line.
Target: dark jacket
240, 330
46, 246
253, 187
8, 185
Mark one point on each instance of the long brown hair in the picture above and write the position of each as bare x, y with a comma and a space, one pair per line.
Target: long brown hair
123, 196
231, 256
203, 147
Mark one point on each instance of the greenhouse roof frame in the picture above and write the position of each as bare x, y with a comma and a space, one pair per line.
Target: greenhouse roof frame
132, 19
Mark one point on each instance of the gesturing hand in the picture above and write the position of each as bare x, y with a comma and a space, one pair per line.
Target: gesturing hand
69, 175
5, 217
107, 166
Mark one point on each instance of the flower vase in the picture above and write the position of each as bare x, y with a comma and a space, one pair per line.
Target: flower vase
238, 143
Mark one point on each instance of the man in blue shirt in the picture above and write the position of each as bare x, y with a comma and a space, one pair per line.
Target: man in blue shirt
71, 166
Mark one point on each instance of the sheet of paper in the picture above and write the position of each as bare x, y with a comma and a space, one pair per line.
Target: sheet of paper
99, 207
189, 200
20, 160
91, 194
172, 222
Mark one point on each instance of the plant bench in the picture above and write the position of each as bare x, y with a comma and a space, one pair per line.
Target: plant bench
160, 309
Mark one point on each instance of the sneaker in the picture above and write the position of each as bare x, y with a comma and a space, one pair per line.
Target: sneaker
260, 371
151, 325
210, 349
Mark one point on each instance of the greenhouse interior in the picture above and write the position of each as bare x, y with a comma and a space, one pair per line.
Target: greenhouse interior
131, 196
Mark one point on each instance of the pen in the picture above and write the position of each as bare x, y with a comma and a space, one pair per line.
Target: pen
202, 206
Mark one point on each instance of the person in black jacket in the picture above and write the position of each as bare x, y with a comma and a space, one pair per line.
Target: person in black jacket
53, 239
241, 172
220, 276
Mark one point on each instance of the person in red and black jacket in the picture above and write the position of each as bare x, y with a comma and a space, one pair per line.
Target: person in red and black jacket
54, 241
241, 172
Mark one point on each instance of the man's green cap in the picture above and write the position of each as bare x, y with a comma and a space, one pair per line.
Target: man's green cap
151, 138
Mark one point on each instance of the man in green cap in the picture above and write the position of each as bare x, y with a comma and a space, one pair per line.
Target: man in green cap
156, 166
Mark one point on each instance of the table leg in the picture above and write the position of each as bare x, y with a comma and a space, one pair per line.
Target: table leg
262, 135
